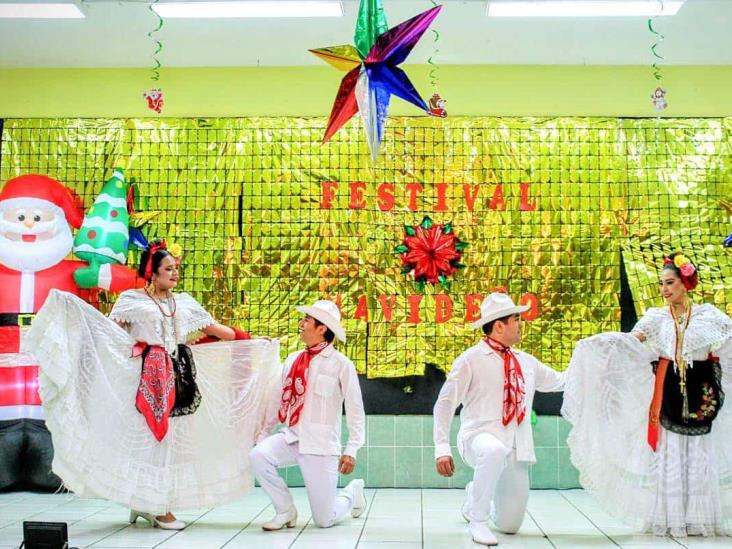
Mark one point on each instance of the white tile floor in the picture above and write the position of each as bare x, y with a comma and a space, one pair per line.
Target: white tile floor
396, 519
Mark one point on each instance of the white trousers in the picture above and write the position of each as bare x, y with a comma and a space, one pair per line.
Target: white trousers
497, 478
320, 474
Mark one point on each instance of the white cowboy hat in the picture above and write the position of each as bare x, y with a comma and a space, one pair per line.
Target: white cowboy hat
497, 305
326, 312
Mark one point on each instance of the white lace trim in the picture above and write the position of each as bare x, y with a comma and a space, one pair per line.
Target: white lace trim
146, 323
708, 330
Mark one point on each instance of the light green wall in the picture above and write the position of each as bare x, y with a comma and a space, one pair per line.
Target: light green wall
399, 454
309, 91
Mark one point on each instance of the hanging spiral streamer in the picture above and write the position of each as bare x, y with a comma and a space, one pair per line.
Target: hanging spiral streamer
156, 42
154, 96
656, 69
433, 67
436, 103
658, 97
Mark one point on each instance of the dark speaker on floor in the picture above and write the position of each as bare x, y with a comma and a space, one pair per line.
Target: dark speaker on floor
45, 535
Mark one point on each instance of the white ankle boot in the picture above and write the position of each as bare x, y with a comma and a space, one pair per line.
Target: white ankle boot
156, 522
280, 520
354, 489
482, 534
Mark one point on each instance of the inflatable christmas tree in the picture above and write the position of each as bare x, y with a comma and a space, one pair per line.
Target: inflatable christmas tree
104, 234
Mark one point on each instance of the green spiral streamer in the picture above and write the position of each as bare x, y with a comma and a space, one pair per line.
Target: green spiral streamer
158, 45
660, 37
433, 78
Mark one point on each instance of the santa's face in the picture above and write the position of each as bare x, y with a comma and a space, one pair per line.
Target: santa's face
33, 238
28, 225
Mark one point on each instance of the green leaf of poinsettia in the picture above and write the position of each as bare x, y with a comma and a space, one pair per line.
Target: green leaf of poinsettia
444, 282
420, 285
401, 249
458, 265
447, 228
460, 245
407, 269
409, 230
427, 222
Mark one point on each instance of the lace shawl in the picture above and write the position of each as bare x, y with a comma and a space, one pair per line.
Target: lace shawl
709, 328
146, 323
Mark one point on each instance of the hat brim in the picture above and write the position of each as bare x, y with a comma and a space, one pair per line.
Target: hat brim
500, 314
321, 316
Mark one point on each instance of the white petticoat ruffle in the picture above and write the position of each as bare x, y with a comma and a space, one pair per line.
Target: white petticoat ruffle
685, 487
102, 445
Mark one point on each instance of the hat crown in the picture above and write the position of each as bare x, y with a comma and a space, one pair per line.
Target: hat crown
328, 307
496, 302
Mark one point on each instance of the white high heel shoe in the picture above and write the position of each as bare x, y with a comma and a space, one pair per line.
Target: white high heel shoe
156, 522
280, 520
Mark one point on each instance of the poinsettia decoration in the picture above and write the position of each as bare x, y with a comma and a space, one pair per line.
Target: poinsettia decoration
431, 252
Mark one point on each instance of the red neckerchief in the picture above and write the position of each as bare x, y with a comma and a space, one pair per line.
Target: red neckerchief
156, 392
514, 404
296, 384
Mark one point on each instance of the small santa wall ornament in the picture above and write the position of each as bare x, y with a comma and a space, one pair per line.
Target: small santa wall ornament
437, 106
658, 97
154, 98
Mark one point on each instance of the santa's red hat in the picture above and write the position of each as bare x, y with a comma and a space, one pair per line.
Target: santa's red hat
27, 190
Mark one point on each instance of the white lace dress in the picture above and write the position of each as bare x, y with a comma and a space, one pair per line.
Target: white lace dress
103, 447
685, 487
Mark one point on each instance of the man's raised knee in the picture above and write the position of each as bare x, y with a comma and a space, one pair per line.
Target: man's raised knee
509, 526
322, 522
491, 454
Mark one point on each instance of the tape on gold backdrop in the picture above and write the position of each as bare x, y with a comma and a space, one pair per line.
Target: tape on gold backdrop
270, 218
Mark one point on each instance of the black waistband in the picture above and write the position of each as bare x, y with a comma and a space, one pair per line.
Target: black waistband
16, 319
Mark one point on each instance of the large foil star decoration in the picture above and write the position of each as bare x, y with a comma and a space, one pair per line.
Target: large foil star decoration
373, 75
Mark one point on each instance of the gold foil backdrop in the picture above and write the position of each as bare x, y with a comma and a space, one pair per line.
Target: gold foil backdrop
269, 218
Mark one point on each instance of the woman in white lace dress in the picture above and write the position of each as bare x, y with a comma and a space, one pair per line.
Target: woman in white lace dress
139, 417
651, 437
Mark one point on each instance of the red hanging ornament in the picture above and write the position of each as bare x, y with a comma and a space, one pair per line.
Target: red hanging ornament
437, 106
154, 99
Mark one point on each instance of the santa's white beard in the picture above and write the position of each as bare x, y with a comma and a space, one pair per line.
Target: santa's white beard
38, 255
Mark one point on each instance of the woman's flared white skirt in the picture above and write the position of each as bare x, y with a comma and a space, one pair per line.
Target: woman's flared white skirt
685, 487
102, 445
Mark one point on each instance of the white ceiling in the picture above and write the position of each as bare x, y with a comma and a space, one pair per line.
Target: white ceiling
114, 34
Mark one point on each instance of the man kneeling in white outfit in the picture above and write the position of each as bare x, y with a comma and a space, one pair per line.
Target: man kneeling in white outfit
316, 384
495, 384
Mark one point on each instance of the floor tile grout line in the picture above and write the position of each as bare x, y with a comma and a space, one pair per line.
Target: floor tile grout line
565, 498
194, 521
605, 534
366, 518
421, 515
110, 534
677, 541
543, 533
128, 525
247, 525
294, 541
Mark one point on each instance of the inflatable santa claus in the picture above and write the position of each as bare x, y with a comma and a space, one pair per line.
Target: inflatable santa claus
36, 216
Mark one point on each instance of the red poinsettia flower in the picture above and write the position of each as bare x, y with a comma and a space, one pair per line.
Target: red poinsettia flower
430, 252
